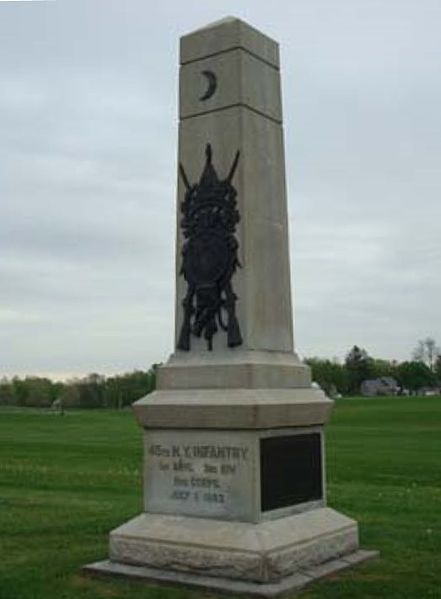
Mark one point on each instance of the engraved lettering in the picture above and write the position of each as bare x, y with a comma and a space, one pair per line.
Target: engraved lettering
205, 482
202, 476
182, 466
159, 450
214, 497
180, 495
180, 482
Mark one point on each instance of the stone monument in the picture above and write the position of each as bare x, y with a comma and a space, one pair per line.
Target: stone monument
234, 463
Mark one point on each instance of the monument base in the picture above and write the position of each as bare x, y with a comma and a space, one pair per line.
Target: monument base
264, 559
292, 583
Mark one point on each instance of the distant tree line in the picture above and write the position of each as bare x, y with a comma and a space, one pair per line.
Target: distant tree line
91, 391
346, 377
119, 391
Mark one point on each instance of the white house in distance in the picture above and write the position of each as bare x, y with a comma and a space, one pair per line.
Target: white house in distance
385, 385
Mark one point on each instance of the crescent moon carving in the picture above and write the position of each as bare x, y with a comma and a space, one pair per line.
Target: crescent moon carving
212, 85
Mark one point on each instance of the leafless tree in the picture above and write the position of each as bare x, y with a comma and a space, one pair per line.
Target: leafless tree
427, 351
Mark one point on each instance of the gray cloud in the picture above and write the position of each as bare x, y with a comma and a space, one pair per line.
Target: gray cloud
88, 105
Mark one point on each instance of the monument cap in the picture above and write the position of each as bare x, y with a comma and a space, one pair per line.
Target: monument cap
227, 34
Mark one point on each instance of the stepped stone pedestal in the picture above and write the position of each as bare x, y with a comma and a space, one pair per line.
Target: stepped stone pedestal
234, 460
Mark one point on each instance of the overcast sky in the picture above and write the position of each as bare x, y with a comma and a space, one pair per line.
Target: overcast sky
88, 133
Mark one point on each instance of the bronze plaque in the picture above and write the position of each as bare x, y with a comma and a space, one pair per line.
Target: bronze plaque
291, 470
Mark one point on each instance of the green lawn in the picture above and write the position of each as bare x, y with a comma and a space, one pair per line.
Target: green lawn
66, 481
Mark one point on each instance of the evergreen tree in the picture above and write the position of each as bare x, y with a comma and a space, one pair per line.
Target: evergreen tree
359, 367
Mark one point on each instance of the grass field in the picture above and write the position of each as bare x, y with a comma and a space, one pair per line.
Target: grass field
66, 481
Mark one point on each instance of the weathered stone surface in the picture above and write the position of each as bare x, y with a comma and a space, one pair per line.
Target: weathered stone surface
227, 34
288, 584
236, 369
197, 581
260, 552
233, 408
242, 79
241, 116
263, 284
211, 474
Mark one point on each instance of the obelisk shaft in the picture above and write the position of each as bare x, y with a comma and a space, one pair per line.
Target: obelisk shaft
230, 99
